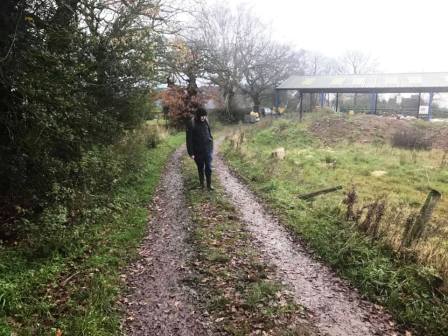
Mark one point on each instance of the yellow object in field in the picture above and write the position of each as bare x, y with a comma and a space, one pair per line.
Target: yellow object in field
254, 114
281, 110
252, 117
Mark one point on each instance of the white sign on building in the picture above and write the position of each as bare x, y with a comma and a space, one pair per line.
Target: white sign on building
423, 109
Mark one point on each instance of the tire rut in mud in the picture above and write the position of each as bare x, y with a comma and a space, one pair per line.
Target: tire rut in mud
158, 303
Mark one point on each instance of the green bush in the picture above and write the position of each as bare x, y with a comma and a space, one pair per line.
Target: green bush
221, 115
87, 195
153, 136
411, 139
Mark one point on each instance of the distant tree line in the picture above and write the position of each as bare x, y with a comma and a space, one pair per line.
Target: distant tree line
232, 49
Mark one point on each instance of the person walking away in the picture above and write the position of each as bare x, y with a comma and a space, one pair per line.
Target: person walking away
200, 146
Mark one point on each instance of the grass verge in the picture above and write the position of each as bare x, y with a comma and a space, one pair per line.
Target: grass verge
237, 287
74, 291
410, 290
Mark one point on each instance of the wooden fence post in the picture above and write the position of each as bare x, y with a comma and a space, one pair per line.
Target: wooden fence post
415, 229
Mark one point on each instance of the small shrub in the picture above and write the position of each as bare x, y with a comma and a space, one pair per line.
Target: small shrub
444, 161
351, 197
283, 125
411, 139
235, 115
152, 138
153, 134
236, 140
372, 219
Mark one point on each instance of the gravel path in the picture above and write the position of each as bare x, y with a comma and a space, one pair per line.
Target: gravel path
337, 309
158, 302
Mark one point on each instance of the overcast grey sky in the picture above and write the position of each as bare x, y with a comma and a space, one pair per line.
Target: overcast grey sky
404, 36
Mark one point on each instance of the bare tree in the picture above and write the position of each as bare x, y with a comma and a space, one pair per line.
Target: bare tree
218, 32
241, 54
263, 62
184, 63
266, 63
318, 64
356, 62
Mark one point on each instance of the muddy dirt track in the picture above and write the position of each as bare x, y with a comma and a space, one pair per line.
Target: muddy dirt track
158, 303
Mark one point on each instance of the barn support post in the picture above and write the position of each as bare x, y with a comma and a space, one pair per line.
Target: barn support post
337, 101
431, 97
373, 103
418, 106
301, 106
376, 103
414, 231
276, 100
321, 99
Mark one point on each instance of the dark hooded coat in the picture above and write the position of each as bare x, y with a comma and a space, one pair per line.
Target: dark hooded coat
199, 138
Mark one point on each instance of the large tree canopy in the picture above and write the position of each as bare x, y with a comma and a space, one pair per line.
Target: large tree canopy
74, 75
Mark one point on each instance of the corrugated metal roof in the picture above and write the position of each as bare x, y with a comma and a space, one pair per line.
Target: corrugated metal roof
398, 82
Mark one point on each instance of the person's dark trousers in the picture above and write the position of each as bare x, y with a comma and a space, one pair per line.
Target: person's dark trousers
204, 164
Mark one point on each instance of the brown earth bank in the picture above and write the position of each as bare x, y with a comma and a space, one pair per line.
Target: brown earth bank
365, 128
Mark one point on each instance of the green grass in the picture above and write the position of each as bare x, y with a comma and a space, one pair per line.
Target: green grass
261, 292
75, 289
407, 288
234, 283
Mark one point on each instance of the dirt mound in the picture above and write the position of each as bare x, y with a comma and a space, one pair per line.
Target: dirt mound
374, 129
440, 136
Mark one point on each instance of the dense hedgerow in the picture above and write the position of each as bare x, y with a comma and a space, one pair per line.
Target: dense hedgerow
75, 78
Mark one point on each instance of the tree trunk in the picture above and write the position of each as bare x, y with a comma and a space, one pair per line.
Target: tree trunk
59, 37
192, 88
65, 12
319, 192
256, 101
228, 99
192, 92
